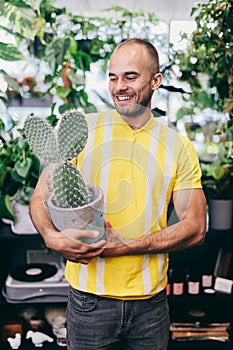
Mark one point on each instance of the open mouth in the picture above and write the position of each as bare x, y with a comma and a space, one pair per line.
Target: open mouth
124, 99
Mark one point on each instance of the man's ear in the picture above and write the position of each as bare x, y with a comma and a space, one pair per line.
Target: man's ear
156, 81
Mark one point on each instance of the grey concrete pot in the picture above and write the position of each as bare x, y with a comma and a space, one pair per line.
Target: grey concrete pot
220, 214
87, 217
22, 223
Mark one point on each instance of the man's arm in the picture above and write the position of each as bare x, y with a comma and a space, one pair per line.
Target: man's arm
71, 248
190, 206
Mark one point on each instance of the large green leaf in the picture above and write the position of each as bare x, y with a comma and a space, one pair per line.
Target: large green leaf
9, 52
18, 3
21, 17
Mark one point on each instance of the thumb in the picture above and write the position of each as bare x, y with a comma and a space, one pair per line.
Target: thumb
107, 224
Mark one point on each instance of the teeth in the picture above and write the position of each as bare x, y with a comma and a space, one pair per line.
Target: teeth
123, 98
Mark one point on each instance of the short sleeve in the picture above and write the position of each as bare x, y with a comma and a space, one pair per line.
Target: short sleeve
188, 173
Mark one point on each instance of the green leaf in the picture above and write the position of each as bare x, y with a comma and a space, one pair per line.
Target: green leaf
16, 177
182, 112
8, 30
18, 3
6, 208
4, 100
10, 81
56, 52
4, 171
21, 16
9, 52
62, 93
77, 80
65, 107
219, 172
24, 195
23, 168
83, 61
73, 46
22, 143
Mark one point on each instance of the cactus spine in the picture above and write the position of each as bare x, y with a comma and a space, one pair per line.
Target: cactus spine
69, 188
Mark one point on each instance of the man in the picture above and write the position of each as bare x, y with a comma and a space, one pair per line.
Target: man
118, 288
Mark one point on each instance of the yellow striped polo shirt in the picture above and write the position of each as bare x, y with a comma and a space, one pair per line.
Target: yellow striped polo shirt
137, 170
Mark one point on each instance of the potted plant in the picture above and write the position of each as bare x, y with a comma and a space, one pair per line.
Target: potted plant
206, 63
72, 203
217, 178
19, 172
206, 66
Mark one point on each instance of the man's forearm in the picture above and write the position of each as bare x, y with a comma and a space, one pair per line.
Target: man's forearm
38, 209
39, 215
176, 237
41, 220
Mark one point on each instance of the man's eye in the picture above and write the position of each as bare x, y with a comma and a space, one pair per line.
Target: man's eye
112, 79
131, 77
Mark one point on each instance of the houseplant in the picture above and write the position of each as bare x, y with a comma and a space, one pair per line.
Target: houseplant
206, 63
206, 66
217, 178
66, 45
19, 172
72, 203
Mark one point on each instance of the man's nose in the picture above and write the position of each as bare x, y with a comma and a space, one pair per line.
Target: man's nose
121, 85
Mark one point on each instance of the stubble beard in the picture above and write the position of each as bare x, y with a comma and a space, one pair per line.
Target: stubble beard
132, 110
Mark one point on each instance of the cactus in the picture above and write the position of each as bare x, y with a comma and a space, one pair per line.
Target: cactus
68, 186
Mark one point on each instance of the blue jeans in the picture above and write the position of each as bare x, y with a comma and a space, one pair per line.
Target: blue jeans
95, 322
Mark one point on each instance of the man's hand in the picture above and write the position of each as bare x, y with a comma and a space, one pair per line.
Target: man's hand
114, 242
69, 244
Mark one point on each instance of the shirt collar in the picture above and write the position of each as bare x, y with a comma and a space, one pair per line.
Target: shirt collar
116, 117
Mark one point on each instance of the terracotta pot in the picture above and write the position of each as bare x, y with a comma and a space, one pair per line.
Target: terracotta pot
87, 217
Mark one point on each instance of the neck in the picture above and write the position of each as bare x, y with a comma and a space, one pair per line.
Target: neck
139, 121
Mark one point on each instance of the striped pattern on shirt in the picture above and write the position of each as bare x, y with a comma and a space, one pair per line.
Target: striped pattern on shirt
137, 170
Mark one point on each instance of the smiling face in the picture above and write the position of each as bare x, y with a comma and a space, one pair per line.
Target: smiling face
133, 77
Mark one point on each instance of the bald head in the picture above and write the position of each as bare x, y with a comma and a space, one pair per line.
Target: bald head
147, 47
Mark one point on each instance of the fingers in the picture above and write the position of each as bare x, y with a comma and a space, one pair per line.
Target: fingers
70, 245
79, 234
73, 249
83, 258
84, 261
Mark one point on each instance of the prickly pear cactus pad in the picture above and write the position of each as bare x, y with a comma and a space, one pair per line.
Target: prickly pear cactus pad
70, 190
72, 134
67, 184
41, 138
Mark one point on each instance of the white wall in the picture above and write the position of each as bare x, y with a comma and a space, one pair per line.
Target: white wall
166, 10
